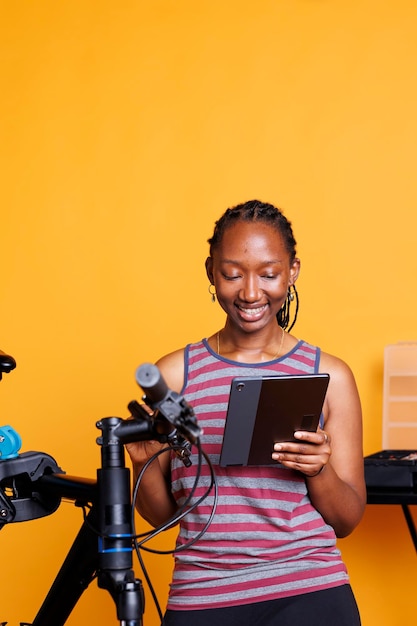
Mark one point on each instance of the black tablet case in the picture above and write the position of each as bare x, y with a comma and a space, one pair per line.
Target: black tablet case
266, 410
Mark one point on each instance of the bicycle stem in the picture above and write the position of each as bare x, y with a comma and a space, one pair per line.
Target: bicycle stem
115, 548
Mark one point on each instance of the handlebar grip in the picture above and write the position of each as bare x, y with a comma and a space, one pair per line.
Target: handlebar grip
150, 379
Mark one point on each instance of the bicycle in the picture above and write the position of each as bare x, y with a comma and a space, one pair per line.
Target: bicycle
32, 485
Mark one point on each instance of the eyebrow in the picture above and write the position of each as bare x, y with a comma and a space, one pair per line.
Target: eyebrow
263, 264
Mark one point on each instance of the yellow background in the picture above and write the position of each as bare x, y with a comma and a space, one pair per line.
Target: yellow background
126, 129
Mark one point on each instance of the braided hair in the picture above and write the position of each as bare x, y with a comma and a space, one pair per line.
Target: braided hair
256, 211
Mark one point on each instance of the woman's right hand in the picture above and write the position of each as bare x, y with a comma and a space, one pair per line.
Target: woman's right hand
141, 451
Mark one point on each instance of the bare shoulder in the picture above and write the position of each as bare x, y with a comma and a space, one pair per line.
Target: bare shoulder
338, 369
171, 367
342, 391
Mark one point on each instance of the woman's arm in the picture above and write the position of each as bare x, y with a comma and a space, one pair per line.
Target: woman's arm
332, 459
155, 502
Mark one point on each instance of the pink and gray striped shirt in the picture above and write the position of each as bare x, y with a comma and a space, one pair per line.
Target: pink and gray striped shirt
266, 540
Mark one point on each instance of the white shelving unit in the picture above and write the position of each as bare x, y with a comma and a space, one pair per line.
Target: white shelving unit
399, 424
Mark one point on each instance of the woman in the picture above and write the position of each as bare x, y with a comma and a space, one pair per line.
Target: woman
269, 556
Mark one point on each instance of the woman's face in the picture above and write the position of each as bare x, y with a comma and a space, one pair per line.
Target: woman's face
251, 271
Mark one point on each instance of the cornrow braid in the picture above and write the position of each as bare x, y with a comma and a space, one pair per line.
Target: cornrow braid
256, 211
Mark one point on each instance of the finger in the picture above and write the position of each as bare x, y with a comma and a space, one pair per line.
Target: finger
325, 436
315, 438
312, 468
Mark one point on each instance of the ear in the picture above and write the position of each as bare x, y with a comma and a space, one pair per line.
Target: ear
209, 269
294, 271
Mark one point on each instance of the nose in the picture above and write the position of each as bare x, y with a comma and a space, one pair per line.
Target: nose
250, 291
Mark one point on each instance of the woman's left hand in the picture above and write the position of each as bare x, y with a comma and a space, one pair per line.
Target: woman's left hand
308, 455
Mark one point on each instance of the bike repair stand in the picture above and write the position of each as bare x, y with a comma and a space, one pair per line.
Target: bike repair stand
103, 546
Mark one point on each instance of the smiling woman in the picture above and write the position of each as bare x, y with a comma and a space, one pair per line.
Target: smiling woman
252, 282
269, 556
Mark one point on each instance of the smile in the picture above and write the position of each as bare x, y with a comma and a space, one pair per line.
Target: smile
252, 312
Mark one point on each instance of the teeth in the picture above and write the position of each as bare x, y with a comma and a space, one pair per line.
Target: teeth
252, 311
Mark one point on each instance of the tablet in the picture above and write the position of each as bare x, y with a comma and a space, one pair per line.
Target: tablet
265, 410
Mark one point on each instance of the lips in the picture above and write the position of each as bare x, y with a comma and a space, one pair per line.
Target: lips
253, 312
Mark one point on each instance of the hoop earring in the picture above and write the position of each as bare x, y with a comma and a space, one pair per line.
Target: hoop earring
212, 293
290, 295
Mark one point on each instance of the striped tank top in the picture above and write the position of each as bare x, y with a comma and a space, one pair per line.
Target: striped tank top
266, 540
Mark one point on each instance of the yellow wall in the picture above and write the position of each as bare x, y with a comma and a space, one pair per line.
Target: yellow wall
126, 129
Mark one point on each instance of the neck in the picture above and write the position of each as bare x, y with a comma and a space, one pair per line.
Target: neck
269, 350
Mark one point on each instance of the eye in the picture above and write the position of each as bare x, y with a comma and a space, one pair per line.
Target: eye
270, 276
229, 277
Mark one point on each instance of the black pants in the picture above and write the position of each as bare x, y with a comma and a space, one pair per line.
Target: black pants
331, 607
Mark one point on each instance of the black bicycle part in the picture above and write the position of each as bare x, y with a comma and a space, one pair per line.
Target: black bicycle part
21, 498
7, 363
103, 547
